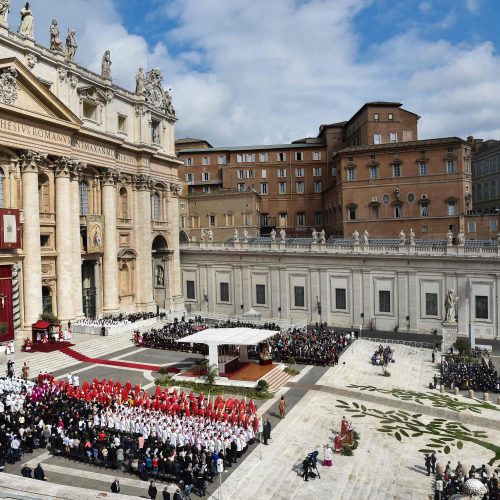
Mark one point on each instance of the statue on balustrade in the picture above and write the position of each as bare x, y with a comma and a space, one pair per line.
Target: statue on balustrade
450, 307
4, 12
283, 236
273, 235
210, 235
412, 237
56, 44
365, 237
355, 237
27, 26
402, 237
202, 234
322, 237
71, 45
461, 238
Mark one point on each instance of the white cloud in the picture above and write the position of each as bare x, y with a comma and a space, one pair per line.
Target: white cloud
259, 72
472, 6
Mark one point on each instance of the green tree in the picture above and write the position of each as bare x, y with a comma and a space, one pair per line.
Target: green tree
211, 375
462, 344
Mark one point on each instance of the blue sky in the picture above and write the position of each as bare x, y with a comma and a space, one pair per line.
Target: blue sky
266, 71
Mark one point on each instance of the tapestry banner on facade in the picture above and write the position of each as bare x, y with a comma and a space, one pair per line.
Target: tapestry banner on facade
95, 233
10, 229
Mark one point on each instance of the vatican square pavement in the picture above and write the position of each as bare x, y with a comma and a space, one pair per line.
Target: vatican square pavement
382, 467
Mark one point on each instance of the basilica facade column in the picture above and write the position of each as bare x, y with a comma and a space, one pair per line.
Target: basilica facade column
175, 284
64, 241
144, 284
30, 163
76, 239
110, 258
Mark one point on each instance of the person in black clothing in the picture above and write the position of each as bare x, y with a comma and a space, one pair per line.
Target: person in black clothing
435, 381
266, 434
115, 486
428, 464
433, 462
26, 471
152, 490
10, 368
39, 474
306, 464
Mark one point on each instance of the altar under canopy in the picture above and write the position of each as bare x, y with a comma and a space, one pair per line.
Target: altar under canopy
214, 337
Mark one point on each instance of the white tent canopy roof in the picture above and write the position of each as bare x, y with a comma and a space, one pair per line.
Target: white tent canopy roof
229, 336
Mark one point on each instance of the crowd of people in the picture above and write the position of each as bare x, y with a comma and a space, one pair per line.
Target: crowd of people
478, 374
451, 481
166, 435
313, 346
383, 356
118, 319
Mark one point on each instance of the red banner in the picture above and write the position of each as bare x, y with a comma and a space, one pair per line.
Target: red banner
6, 311
10, 229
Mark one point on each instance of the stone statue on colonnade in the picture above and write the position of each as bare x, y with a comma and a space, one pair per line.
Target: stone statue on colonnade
55, 38
4, 12
27, 26
450, 307
71, 45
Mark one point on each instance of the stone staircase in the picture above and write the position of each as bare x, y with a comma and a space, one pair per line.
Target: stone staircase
277, 378
94, 347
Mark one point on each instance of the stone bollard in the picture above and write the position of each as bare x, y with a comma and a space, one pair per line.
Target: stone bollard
442, 389
486, 396
457, 391
471, 393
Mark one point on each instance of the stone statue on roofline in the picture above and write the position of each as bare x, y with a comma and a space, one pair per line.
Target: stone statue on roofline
402, 237
27, 26
56, 44
273, 235
322, 237
412, 237
449, 237
210, 235
450, 307
236, 235
314, 236
283, 236
461, 238
202, 234
139, 82
106, 65
4, 12
365, 237
71, 45
245, 235
355, 237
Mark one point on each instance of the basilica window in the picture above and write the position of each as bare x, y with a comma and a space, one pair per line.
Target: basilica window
481, 307
123, 203
2, 188
43, 193
84, 198
156, 206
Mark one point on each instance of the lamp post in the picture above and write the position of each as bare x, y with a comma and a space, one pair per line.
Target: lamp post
205, 296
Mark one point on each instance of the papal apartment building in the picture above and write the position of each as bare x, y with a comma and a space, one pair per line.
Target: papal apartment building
88, 187
370, 172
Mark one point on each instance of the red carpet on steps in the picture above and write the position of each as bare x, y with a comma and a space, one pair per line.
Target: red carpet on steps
109, 362
50, 346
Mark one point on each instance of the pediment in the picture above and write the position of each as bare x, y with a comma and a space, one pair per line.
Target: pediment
92, 94
22, 93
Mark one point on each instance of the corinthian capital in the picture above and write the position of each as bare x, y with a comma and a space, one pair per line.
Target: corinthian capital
76, 170
63, 166
31, 161
109, 176
143, 182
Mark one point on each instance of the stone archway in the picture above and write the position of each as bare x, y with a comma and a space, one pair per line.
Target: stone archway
161, 270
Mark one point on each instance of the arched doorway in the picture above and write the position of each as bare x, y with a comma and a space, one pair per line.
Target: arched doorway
46, 299
161, 258
183, 236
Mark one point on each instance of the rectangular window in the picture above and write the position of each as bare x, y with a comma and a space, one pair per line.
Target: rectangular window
422, 168
221, 160
263, 174
481, 307
334, 172
250, 174
263, 157
122, 124
317, 172
373, 172
205, 160
424, 209
393, 137
493, 226
155, 132
351, 213
241, 187
299, 299
189, 177
247, 219
452, 208
425, 229
260, 294
431, 304
205, 189
299, 186
301, 219
282, 172
299, 156
398, 211
318, 219
205, 176
190, 290
471, 227
299, 172
250, 157
340, 298
283, 219
263, 187
384, 301
376, 117
89, 111
351, 174
450, 166
239, 158
188, 162
229, 219
282, 187
224, 291
377, 138
396, 170
318, 186
281, 156
316, 155
211, 220
390, 117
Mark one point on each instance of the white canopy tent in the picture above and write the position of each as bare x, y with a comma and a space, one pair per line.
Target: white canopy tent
213, 337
